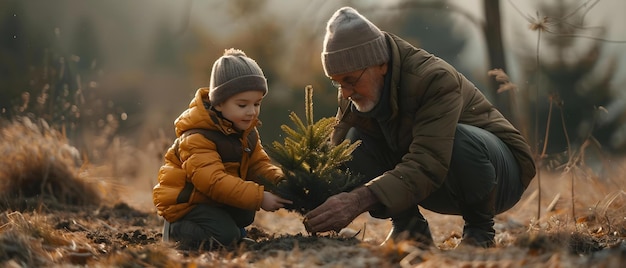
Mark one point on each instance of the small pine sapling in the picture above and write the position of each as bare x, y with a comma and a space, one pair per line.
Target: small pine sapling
312, 165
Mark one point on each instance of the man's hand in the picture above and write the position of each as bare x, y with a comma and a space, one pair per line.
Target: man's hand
272, 202
339, 210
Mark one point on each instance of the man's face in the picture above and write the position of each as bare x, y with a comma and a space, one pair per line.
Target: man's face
363, 87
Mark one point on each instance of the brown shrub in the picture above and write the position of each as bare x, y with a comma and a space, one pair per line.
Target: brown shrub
39, 168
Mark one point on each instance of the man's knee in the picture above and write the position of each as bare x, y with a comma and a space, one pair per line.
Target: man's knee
469, 142
471, 173
482, 162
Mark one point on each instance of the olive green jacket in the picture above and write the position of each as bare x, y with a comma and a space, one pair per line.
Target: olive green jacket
427, 99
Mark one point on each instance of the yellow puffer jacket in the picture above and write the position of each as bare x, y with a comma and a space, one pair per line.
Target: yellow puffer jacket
194, 160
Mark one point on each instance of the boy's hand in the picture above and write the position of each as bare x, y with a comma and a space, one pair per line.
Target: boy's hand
272, 202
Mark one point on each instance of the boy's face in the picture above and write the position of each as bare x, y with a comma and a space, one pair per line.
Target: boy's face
242, 108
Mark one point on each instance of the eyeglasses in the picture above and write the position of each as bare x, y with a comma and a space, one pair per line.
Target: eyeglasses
352, 85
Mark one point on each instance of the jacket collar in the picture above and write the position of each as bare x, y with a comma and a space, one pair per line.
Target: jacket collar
393, 71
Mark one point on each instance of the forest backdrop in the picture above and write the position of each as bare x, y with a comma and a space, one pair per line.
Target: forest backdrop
124, 70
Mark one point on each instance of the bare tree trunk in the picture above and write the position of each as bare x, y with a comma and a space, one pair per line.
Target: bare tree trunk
495, 50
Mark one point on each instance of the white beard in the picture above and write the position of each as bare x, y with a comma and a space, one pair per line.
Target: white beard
364, 106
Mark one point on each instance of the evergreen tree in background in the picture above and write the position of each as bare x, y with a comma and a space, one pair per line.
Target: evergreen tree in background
574, 78
312, 165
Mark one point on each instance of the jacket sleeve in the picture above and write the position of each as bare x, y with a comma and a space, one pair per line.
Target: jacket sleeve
171, 179
424, 167
207, 172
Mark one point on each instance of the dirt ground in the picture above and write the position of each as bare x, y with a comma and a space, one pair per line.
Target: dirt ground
120, 228
128, 234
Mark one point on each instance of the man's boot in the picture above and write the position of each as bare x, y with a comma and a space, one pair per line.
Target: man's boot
478, 230
410, 225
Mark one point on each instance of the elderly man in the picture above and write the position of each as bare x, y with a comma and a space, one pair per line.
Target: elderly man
429, 137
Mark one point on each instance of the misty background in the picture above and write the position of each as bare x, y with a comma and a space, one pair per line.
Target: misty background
136, 64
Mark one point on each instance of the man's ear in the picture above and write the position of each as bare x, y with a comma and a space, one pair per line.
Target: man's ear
383, 68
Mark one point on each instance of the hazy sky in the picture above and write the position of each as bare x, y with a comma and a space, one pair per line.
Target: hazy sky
126, 29
515, 25
125, 25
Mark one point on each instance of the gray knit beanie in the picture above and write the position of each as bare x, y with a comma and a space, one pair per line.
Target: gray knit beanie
234, 73
352, 43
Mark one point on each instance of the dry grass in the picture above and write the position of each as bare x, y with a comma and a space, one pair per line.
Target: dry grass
38, 165
79, 216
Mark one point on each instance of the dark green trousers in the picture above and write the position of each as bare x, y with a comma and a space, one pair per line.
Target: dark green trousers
483, 180
208, 227
481, 165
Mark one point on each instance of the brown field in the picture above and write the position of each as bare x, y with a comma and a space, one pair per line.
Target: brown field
59, 211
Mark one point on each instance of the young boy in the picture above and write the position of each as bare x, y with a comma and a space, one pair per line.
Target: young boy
208, 189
